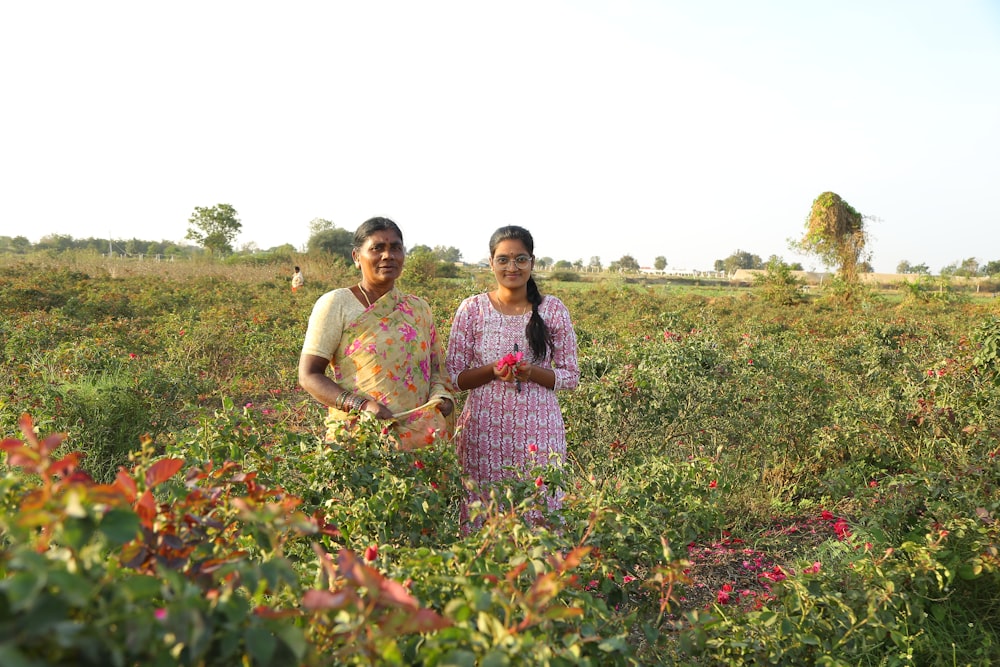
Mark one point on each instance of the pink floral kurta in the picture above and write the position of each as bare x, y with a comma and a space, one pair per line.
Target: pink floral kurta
498, 424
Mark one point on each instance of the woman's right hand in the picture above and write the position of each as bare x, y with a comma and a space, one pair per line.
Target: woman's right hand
502, 371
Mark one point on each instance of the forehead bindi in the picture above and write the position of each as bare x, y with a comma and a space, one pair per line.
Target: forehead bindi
510, 247
383, 238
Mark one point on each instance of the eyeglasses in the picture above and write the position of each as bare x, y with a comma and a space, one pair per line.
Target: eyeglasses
521, 261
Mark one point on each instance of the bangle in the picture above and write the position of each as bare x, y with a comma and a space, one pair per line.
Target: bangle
353, 402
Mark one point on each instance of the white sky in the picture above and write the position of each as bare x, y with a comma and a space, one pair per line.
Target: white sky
683, 129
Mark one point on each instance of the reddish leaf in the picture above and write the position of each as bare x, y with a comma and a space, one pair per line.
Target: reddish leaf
424, 620
20, 455
28, 429
66, 464
562, 612
573, 558
146, 509
126, 484
326, 561
357, 572
267, 612
51, 443
392, 594
162, 470
317, 600
516, 571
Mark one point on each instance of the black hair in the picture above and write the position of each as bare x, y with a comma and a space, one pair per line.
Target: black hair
296, 269
538, 334
372, 225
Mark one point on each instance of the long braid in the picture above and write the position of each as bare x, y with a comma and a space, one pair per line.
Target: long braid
537, 332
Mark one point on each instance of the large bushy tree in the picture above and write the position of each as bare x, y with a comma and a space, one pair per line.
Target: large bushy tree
214, 228
326, 237
835, 233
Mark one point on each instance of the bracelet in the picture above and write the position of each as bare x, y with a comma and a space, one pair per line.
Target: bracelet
348, 402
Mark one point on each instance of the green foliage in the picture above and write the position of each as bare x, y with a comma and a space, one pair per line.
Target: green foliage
564, 276
332, 241
214, 228
777, 285
740, 259
761, 439
835, 233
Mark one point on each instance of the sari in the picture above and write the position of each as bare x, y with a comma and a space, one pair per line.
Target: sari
391, 353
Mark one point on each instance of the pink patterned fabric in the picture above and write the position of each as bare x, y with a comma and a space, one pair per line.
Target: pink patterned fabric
498, 424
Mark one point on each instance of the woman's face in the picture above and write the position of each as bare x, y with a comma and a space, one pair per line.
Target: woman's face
381, 258
512, 264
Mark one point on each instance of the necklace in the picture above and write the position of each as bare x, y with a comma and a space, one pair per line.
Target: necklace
507, 306
365, 294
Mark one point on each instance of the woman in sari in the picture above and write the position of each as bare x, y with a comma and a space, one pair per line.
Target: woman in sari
381, 346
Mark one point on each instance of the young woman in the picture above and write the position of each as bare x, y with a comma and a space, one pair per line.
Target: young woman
511, 417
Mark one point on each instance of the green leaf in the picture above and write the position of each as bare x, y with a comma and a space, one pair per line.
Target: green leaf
75, 589
11, 657
458, 658
293, 638
495, 659
23, 588
140, 587
261, 644
119, 526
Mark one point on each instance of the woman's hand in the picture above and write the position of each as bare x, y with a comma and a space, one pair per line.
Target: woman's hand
446, 406
376, 409
503, 371
522, 371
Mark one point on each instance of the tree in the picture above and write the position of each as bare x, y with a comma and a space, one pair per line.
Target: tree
450, 254
420, 249
544, 262
214, 228
835, 233
992, 268
578, 265
334, 241
595, 263
660, 263
968, 268
58, 242
628, 263
906, 267
564, 264
317, 225
741, 259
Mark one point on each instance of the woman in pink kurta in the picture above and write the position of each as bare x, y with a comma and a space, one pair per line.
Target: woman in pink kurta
511, 417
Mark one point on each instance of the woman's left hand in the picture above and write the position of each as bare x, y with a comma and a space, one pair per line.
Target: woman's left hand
522, 371
446, 406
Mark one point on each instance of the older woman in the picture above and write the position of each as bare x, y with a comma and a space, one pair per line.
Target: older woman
381, 345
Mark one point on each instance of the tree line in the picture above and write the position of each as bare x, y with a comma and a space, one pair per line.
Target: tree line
835, 232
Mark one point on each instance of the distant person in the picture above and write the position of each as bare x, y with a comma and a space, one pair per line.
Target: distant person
380, 345
298, 280
511, 349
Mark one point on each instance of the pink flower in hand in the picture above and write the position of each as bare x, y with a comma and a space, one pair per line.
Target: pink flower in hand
510, 360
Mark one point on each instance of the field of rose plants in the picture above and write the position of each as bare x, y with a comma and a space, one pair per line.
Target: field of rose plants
751, 480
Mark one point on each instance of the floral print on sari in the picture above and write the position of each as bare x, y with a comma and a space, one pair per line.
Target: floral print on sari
391, 353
